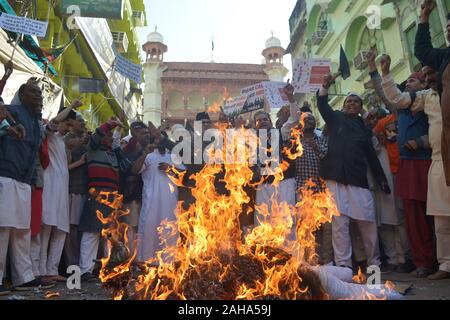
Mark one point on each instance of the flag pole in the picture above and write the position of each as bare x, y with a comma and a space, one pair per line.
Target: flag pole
19, 35
113, 70
67, 46
212, 49
15, 46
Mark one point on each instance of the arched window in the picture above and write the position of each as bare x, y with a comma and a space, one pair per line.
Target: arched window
323, 22
371, 38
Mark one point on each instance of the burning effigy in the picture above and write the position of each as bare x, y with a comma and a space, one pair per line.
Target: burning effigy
207, 256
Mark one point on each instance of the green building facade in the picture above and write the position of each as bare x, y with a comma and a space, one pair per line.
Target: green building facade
319, 27
81, 61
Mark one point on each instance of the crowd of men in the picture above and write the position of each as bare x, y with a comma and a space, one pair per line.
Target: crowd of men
388, 169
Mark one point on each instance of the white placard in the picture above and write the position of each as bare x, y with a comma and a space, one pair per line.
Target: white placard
255, 98
233, 107
128, 69
275, 94
23, 25
308, 74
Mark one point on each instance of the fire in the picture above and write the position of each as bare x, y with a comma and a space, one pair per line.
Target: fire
226, 94
214, 108
296, 133
207, 256
360, 277
389, 285
116, 268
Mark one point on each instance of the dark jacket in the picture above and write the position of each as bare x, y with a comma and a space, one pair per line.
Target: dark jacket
18, 157
438, 59
131, 184
412, 127
349, 149
78, 177
189, 181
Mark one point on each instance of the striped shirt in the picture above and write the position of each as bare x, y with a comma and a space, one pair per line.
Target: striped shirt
104, 165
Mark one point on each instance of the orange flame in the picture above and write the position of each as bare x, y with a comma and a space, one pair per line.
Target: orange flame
360, 277
212, 258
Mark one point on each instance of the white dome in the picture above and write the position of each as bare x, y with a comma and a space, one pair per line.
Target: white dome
155, 37
273, 42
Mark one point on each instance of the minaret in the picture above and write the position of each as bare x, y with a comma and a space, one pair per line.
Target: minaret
153, 69
273, 53
275, 70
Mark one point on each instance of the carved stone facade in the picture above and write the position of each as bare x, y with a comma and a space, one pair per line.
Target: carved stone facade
176, 91
192, 87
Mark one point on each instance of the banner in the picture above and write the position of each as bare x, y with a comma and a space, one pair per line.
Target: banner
128, 69
23, 25
255, 98
108, 9
99, 37
308, 74
233, 107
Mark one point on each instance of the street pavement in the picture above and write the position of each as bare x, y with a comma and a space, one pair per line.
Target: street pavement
421, 289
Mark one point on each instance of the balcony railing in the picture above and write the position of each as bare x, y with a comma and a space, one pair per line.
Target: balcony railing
318, 37
296, 15
360, 60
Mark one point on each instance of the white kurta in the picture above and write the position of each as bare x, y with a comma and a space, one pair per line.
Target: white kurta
55, 205
354, 202
337, 282
15, 204
438, 199
159, 201
438, 202
285, 192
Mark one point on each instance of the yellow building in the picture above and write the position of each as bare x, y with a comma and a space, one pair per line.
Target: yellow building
86, 63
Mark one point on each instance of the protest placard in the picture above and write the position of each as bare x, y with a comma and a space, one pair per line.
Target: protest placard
252, 98
275, 95
233, 107
255, 98
128, 69
308, 74
23, 25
